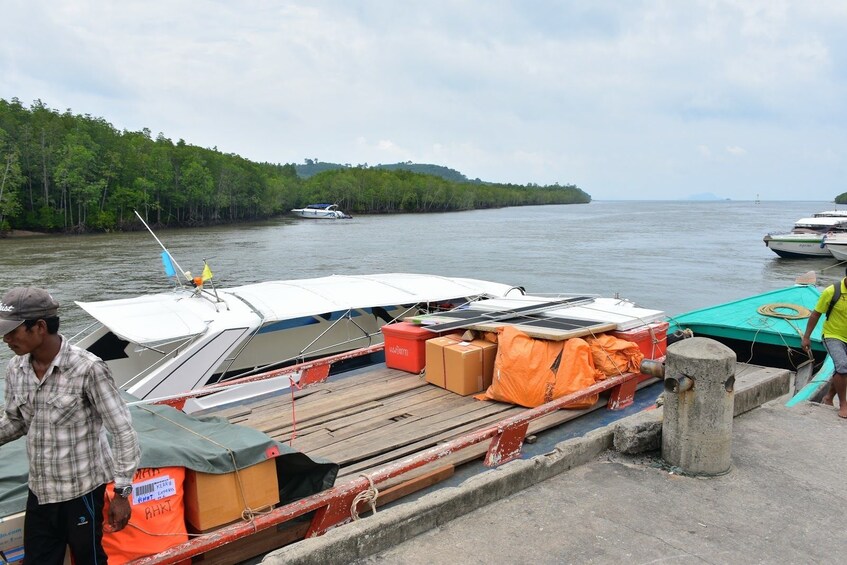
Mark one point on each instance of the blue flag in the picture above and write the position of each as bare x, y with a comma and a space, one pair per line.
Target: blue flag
168, 264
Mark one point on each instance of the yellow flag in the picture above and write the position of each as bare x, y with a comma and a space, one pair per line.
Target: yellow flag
207, 273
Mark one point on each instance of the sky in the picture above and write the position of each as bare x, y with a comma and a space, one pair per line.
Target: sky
652, 99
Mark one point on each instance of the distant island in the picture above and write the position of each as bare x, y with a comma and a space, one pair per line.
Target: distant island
67, 173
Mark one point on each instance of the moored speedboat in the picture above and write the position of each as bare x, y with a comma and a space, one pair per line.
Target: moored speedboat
320, 212
806, 239
169, 343
836, 243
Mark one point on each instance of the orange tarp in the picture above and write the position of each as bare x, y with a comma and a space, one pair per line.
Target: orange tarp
614, 356
530, 372
158, 516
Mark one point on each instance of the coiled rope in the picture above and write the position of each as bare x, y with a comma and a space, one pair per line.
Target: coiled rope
368, 495
777, 310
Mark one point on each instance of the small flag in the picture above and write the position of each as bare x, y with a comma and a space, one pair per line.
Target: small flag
207, 272
168, 264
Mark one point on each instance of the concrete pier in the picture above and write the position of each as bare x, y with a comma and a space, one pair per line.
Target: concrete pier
699, 399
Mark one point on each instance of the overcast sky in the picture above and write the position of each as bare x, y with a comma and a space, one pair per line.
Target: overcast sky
628, 100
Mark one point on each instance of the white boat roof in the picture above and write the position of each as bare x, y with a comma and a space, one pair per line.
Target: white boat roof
834, 213
821, 221
159, 318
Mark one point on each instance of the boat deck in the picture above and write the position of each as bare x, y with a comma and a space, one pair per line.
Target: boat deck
368, 419
383, 415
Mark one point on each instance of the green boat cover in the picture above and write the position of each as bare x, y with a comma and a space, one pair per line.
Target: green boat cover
743, 321
170, 438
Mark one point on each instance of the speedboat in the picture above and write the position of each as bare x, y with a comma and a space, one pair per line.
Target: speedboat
169, 343
163, 345
806, 238
836, 243
320, 212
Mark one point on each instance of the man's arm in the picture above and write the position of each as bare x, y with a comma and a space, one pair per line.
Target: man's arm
12, 424
126, 453
810, 327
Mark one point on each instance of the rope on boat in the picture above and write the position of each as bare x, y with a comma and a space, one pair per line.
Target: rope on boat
368, 495
777, 310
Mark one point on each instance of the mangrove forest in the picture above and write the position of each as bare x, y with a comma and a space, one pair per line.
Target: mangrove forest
70, 173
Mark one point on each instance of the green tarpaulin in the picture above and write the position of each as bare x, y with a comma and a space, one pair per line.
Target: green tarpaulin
170, 438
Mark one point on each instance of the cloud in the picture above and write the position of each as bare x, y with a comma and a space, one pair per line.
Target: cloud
602, 94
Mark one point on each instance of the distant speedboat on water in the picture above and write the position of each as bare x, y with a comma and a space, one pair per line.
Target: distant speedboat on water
806, 239
320, 212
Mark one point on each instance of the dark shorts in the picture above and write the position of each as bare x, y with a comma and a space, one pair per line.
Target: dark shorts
837, 349
77, 523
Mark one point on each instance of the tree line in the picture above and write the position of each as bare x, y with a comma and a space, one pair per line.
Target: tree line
61, 172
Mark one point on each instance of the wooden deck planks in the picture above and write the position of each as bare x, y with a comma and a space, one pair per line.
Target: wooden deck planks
380, 415
371, 420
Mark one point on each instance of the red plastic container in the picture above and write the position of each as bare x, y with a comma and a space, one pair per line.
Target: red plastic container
405, 346
652, 340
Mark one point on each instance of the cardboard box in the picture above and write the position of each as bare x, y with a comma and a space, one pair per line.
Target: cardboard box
214, 500
435, 366
470, 366
12, 537
405, 346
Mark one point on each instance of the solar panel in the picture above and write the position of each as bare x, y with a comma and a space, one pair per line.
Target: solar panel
475, 317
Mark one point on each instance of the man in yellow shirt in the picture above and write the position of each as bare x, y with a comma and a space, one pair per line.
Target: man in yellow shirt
835, 341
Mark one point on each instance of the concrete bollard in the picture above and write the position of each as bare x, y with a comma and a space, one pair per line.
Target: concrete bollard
698, 410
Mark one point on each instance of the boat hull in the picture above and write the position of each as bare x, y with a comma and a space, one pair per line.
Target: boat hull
839, 251
797, 245
318, 214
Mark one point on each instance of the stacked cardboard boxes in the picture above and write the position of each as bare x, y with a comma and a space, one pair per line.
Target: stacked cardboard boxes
461, 366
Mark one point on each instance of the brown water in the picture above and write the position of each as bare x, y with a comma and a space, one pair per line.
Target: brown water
674, 256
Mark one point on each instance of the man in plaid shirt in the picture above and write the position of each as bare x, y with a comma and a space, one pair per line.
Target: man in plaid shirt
64, 400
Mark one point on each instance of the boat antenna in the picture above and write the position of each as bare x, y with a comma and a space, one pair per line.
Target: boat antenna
165, 249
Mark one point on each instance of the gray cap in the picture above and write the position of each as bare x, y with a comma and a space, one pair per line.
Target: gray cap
25, 303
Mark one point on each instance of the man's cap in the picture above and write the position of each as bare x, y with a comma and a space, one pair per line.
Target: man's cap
25, 303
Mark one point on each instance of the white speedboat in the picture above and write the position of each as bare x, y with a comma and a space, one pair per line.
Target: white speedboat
836, 244
163, 345
320, 212
169, 343
806, 239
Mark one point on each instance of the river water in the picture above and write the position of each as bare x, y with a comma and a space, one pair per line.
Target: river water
673, 256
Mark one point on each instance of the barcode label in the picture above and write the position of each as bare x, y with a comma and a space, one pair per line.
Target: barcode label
154, 489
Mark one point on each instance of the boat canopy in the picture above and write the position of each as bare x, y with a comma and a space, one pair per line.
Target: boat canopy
282, 300
824, 221
149, 319
160, 318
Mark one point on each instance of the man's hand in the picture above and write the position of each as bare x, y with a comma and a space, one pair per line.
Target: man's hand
806, 343
119, 511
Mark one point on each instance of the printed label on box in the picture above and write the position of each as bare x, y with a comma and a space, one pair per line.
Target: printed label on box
397, 350
153, 489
